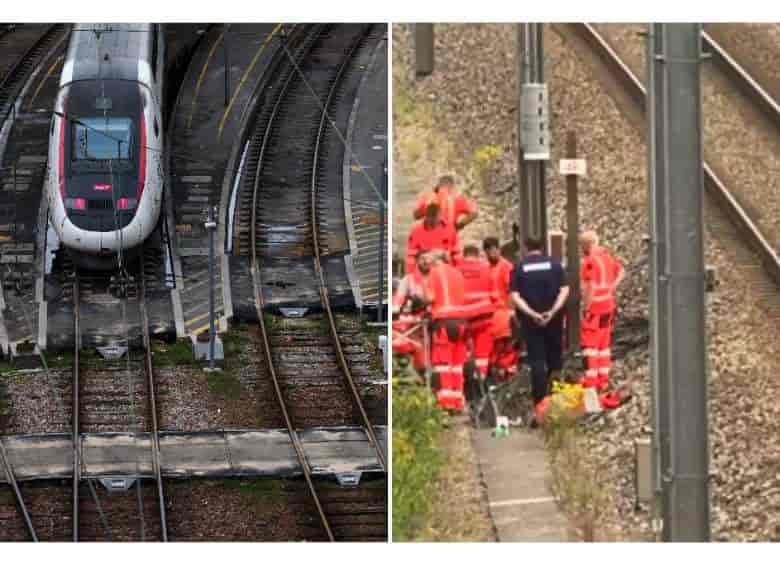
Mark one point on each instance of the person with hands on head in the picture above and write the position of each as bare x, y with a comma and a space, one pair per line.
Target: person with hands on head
539, 292
431, 233
456, 209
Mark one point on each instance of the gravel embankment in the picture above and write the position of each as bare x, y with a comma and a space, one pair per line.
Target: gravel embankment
741, 145
744, 357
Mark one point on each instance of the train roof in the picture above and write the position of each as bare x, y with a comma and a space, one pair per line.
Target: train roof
108, 51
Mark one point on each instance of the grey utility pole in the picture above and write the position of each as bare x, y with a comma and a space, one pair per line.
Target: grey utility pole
423, 49
380, 283
211, 227
533, 131
657, 254
680, 345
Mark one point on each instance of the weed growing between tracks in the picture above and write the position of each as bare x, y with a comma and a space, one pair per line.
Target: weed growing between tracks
174, 354
575, 474
417, 459
260, 490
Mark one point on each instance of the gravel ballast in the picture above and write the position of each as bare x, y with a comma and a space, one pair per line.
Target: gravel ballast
743, 354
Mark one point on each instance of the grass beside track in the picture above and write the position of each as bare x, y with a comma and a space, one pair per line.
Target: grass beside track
417, 459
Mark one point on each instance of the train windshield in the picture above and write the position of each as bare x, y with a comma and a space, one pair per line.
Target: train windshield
102, 139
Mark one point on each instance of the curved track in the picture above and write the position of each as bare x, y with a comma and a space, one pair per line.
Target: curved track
12, 81
285, 148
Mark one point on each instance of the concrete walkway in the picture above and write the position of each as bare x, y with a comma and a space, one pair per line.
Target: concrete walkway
515, 471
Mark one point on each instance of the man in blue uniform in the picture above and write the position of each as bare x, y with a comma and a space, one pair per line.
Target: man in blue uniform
539, 292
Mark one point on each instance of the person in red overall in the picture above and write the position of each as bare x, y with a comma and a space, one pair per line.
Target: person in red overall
456, 209
504, 352
479, 295
601, 274
446, 291
409, 305
429, 234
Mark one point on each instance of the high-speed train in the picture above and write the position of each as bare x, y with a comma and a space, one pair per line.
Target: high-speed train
105, 177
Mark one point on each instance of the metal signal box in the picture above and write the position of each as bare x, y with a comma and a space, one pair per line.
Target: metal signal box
535, 122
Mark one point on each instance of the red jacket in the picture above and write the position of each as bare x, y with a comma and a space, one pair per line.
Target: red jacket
500, 274
600, 270
441, 236
452, 206
445, 289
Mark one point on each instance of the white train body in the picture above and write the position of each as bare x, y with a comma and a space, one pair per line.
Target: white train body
106, 172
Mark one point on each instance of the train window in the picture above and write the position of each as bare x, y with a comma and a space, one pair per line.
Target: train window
156, 129
51, 128
100, 139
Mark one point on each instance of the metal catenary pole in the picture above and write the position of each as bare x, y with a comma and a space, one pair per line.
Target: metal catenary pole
423, 49
656, 252
381, 274
533, 205
572, 247
686, 482
211, 226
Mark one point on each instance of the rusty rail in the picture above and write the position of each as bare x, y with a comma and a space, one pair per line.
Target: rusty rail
715, 187
318, 265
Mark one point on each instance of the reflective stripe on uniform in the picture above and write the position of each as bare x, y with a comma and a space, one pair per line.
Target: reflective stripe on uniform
589, 352
605, 353
449, 393
591, 372
481, 362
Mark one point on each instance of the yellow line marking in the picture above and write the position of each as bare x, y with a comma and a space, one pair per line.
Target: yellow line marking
204, 327
201, 77
195, 319
243, 78
43, 81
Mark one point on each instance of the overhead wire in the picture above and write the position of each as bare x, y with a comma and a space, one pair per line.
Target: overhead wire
331, 122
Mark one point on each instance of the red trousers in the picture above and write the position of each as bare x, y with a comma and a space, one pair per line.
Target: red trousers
595, 338
504, 359
482, 343
448, 354
408, 339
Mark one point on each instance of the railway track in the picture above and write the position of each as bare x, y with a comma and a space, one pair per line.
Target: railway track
284, 165
727, 218
13, 79
109, 396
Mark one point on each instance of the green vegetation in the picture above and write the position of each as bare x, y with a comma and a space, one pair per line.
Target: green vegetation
417, 459
5, 367
224, 383
371, 338
270, 321
62, 360
235, 341
577, 481
260, 490
176, 353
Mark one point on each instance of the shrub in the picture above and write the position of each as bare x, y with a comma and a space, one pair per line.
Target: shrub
417, 423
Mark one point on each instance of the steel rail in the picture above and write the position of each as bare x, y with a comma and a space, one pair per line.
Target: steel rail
155, 437
742, 79
10, 78
716, 188
369, 428
75, 386
9, 473
260, 305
